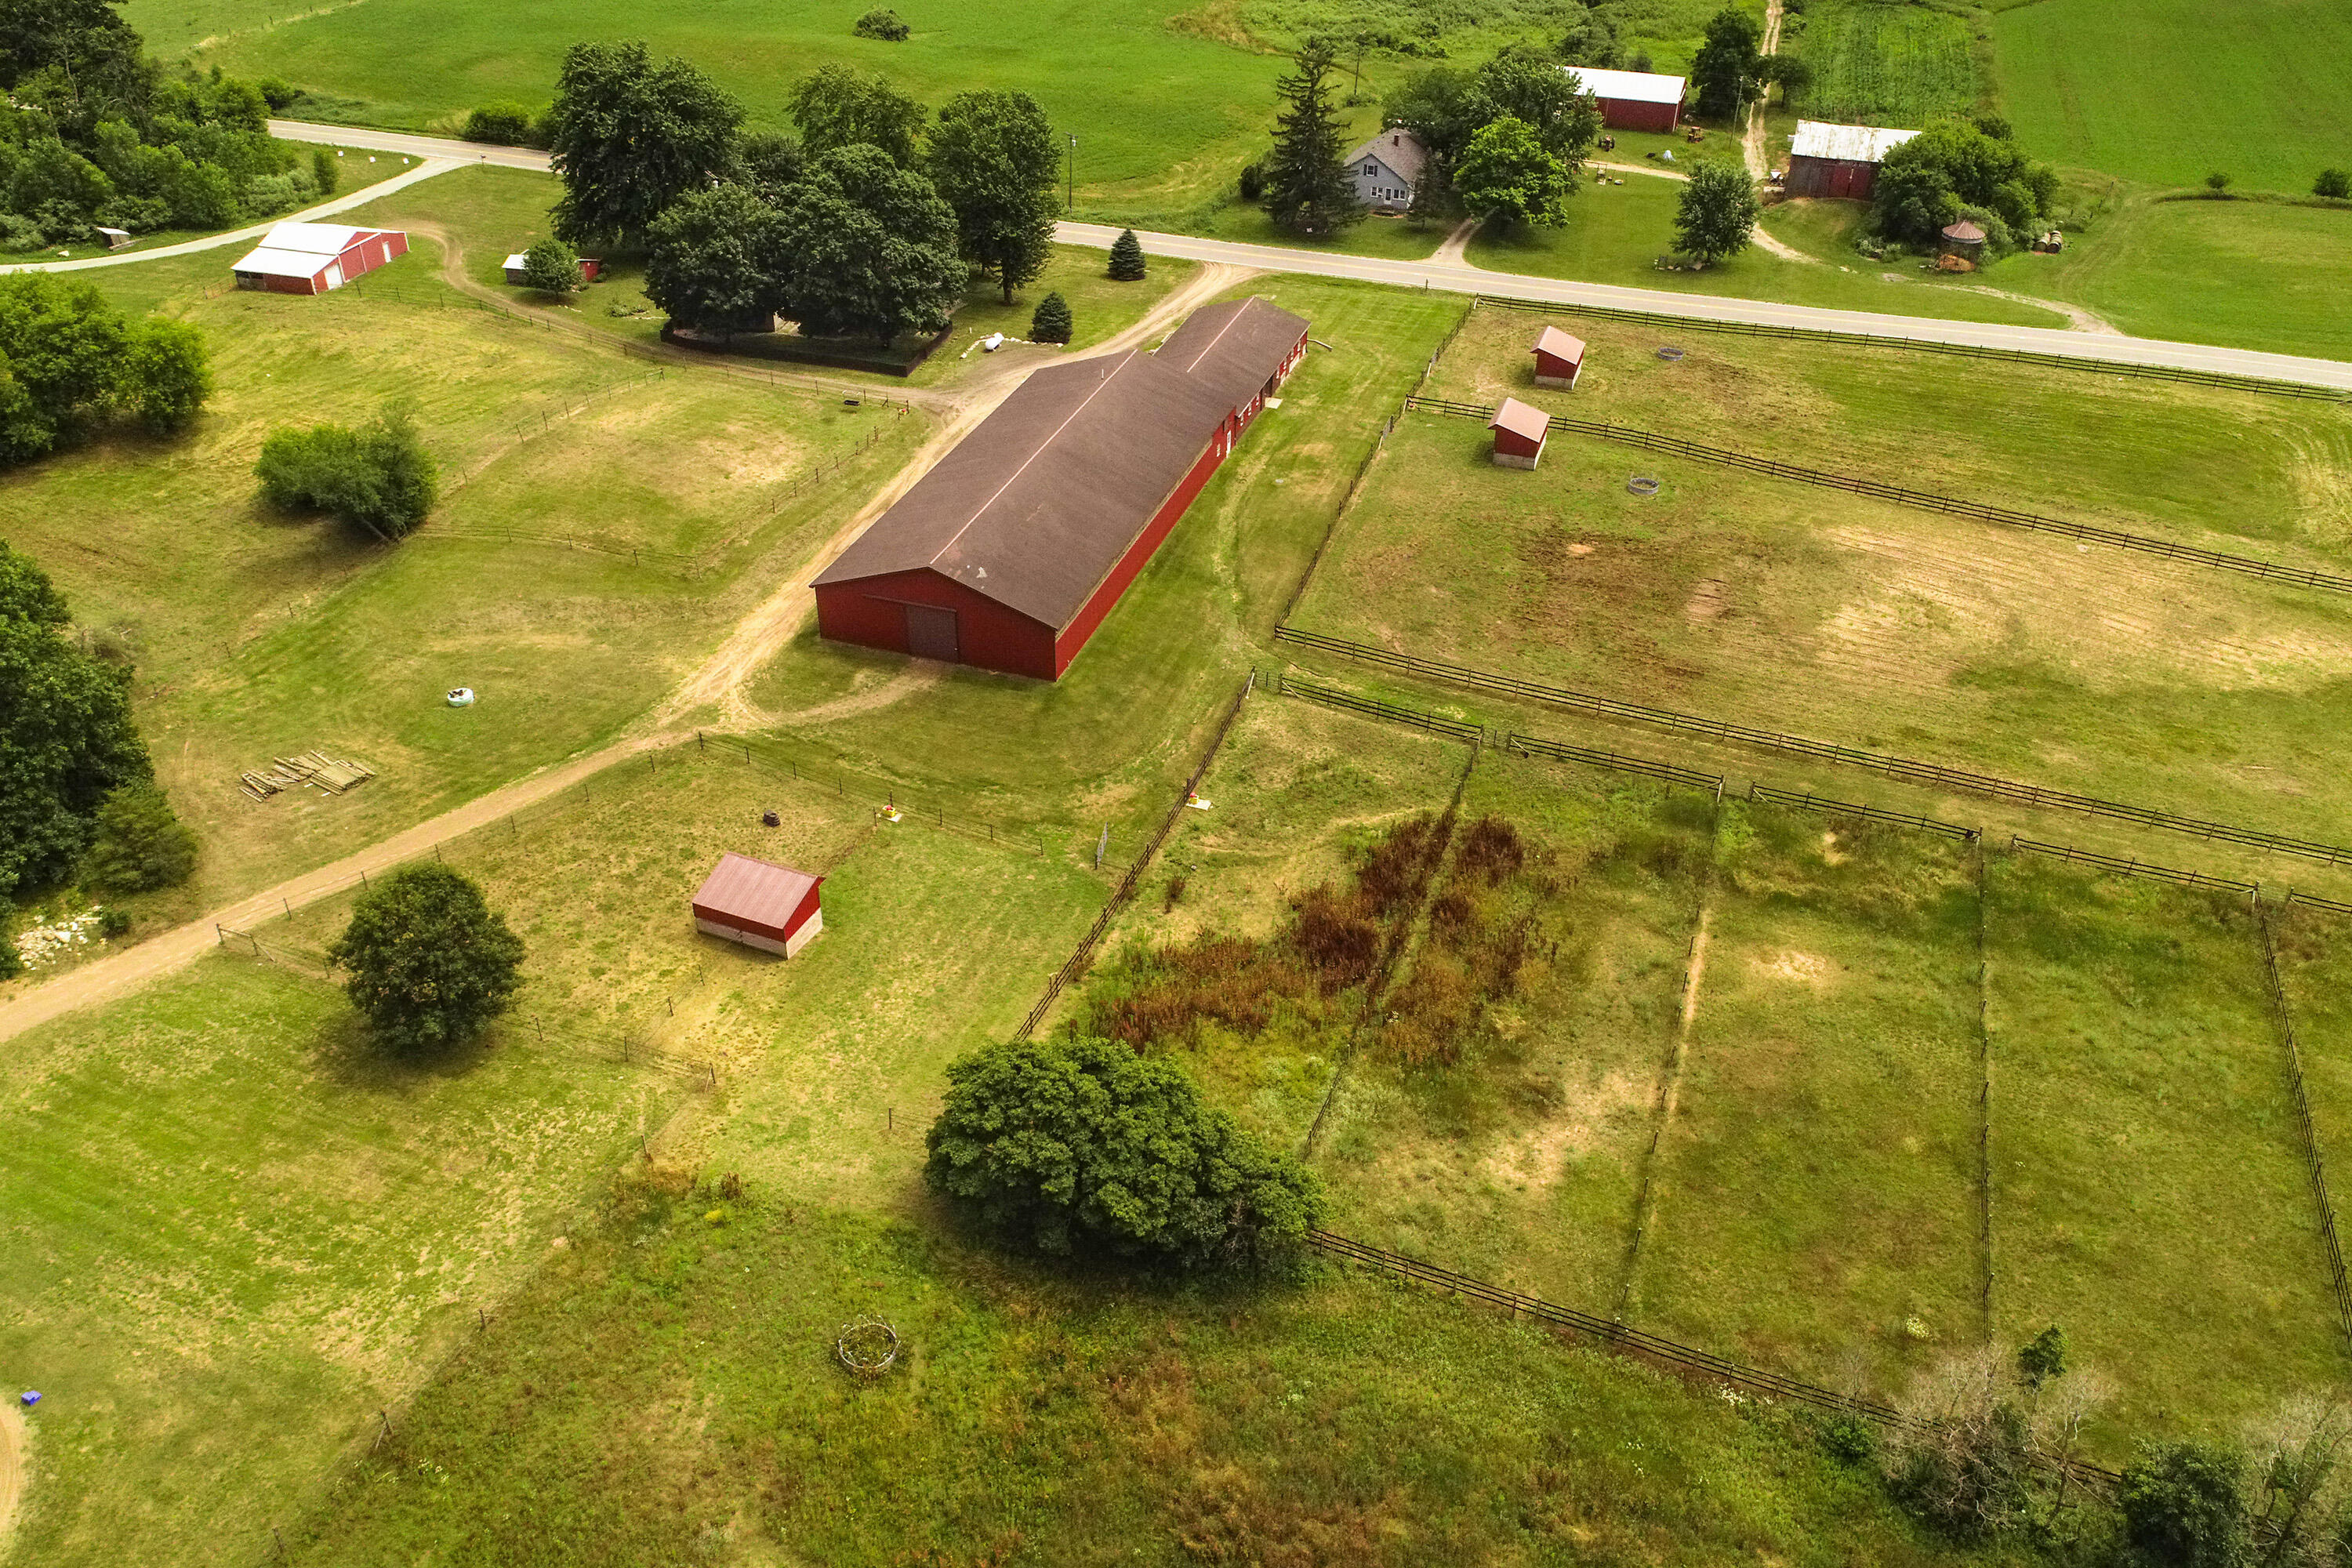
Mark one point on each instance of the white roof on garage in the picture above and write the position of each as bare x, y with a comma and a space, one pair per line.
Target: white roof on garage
313, 238
1628, 86
1845, 143
276, 263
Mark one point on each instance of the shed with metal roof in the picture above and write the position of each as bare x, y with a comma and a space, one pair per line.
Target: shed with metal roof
1011, 550
312, 258
1520, 431
1632, 100
759, 904
1827, 160
1560, 358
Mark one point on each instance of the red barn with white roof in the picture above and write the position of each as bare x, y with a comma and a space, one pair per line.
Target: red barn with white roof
312, 258
1632, 100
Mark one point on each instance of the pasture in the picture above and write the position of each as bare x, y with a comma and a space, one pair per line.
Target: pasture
1809, 611
258, 635
1788, 1002
2155, 90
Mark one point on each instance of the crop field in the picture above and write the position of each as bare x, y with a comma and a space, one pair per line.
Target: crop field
1880, 64
257, 636
2153, 90
1804, 610
1801, 994
217, 1297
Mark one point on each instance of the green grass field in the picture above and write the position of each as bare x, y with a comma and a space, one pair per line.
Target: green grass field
2162, 90
1878, 64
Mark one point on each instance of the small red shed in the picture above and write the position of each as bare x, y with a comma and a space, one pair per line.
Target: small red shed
312, 258
759, 904
1520, 431
589, 267
1560, 358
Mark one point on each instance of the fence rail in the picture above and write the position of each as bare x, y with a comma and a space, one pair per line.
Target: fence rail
1929, 345
1417, 404
2311, 1155
1450, 728
1561, 751
2132, 868
2330, 905
1904, 769
1812, 801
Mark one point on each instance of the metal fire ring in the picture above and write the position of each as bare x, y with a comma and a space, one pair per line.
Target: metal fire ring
1670, 354
1641, 485
866, 1346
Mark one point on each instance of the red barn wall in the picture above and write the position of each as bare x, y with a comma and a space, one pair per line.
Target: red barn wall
1830, 177
1164, 522
1625, 114
869, 612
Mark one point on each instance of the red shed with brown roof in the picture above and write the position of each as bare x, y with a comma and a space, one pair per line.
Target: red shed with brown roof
1014, 547
1560, 358
759, 904
1519, 430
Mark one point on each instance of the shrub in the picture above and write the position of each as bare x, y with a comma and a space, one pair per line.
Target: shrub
883, 24
2333, 184
2218, 182
430, 963
1082, 1148
1051, 322
1253, 184
278, 92
378, 476
552, 267
325, 170
72, 360
501, 124
166, 376
1127, 265
140, 845
112, 922
2184, 1503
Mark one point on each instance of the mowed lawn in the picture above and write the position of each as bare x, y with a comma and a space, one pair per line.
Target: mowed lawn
1816, 1189
1794, 608
2149, 1193
2166, 91
1124, 726
258, 635
234, 1232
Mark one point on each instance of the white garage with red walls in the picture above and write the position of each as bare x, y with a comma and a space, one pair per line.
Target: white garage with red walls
312, 258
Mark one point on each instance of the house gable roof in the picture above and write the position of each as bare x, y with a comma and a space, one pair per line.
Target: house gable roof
1397, 148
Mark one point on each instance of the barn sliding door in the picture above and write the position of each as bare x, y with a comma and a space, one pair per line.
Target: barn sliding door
931, 633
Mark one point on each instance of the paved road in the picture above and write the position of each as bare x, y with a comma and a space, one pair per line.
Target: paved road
1461, 279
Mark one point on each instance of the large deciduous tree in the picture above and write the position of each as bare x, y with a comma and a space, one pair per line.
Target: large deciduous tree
1729, 70
1525, 84
67, 741
837, 107
868, 248
711, 261
1308, 191
378, 474
428, 962
1716, 217
68, 360
1952, 170
991, 159
1081, 1147
1507, 177
630, 136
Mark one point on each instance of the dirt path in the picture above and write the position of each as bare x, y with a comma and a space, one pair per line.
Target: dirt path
13, 1441
1456, 246
1751, 140
1670, 1094
2082, 321
718, 683
1764, 240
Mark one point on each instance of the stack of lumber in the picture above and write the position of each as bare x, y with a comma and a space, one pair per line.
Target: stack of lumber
334, 775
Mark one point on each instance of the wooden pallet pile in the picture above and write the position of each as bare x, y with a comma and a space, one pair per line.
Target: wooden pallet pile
334, 775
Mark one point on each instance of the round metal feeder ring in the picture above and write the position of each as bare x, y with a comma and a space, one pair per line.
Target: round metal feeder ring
1641, 485
1670, 354
866, 1346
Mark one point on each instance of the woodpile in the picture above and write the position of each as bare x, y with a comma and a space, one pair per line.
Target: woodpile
331, 774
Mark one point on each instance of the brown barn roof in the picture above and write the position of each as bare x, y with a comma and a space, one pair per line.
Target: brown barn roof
1036, 506
1520, 420
1556, 343
1234, 347
757, 892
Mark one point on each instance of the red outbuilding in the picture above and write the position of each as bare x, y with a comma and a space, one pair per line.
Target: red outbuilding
589, 267
1560, 358
1520, 431
759, 904
1009, 554
1838, 159
1632, 100
312, 258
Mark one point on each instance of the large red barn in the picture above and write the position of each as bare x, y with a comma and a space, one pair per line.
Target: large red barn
1009, 554
1632, 100
1841, 161
312, 258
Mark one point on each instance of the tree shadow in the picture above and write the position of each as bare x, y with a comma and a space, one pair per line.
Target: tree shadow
348, 1053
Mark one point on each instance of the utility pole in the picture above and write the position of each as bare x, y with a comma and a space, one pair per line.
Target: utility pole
1070, 182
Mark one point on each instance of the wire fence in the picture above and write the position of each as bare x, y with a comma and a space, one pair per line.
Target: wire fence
1924, 500
1904, 769
2132, 866
1077, 963
2263, 384
2311, 1158
1287, 685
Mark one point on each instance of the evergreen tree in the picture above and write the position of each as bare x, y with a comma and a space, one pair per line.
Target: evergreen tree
1052, 323
1717, 215
1308, 191
141, 844
1127, 257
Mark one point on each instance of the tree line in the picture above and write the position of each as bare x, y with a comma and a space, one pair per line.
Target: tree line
867, 220
93, 131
